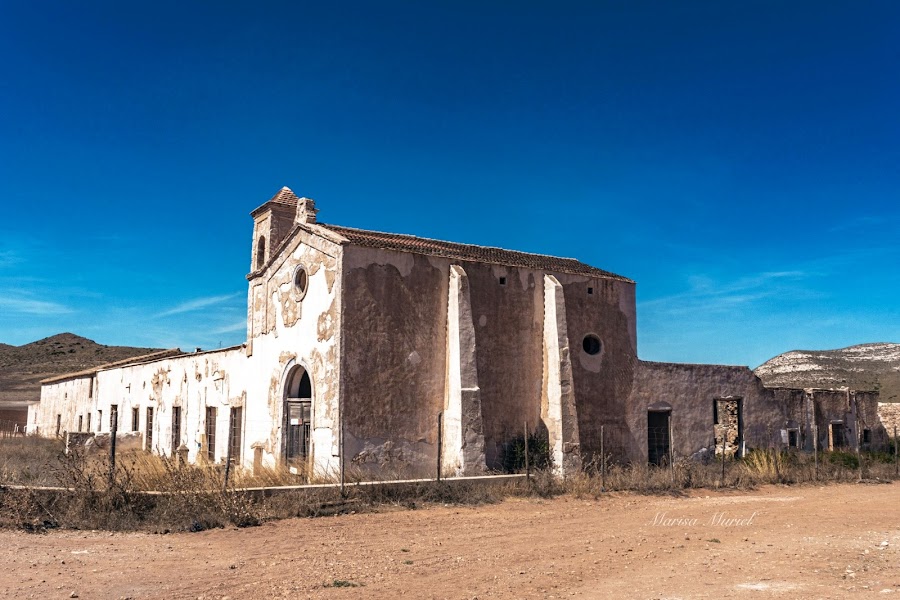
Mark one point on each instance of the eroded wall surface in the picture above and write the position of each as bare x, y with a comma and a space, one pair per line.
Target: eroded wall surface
394, 359
688, 392
602, 382
288, 329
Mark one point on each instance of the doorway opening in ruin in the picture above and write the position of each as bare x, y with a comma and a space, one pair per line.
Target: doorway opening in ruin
297, 420
658, 449
728, 427
838, 435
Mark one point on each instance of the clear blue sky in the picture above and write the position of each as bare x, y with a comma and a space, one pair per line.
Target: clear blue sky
739, 160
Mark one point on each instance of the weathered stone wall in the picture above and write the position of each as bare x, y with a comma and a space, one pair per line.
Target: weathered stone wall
395, 358
70, 399
889, 413
508, 320
288, 329
689, 392
602, 382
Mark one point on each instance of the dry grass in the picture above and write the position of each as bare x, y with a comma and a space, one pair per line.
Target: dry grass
150, 492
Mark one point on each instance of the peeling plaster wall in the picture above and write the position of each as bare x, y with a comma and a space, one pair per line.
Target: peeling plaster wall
69, 399
603, 381
508, 322
193, 382
394, 358
690, 391
289, 330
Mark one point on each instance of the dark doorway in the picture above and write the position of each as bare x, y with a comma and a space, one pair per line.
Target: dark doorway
297, 420
658, 437
838, 436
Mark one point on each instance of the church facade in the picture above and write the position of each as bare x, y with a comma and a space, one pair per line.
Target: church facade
377, 350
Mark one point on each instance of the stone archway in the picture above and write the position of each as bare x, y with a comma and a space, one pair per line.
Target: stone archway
297, 425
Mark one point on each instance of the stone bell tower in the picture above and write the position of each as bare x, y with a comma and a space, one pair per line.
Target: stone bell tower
272, 222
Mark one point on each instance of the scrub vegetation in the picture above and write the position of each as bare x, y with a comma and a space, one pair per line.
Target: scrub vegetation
42, 487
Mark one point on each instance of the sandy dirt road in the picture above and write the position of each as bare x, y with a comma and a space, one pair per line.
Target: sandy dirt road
776, 542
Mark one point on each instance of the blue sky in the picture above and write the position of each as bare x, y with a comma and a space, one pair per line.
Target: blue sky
739, 160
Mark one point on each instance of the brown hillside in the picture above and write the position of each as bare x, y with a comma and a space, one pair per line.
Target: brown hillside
23, 367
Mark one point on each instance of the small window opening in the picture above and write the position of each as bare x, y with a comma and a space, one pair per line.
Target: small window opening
58, 425
793, 438
176, 428
99, 421
591, 344
80, 422
590, 291
211, 433
867, 436
88, 422
301, 282
149, 426
260, 252
503, 281
135, 418
235, 434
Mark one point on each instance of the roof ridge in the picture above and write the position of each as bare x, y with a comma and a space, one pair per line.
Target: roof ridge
403, 242
428, 239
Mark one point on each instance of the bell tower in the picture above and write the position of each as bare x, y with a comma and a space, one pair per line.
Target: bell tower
271, 223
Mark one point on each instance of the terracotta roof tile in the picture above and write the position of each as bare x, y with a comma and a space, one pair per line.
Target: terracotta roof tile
284, 197
469, 252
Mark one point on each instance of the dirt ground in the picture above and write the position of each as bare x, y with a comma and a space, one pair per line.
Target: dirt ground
790, 542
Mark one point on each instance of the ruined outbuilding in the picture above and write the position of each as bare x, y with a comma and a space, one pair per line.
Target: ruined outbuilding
360, 342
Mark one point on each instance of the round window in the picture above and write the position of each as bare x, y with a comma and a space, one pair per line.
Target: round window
591, 344
301, 282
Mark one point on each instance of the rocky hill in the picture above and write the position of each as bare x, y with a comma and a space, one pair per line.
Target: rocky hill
867, 366
23, 367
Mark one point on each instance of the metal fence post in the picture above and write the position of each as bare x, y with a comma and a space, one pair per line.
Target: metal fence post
602, 460
440, 443
112, 447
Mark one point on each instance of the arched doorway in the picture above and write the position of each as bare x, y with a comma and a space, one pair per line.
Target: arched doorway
297, 419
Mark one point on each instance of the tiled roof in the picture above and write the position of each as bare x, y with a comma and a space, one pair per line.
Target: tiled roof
284, 197
119, 363
469, 252
451, 250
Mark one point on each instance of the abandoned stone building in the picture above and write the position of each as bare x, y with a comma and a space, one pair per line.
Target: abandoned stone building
360, 342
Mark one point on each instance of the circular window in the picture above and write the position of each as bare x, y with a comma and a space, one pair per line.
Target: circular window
301, 282
591, 344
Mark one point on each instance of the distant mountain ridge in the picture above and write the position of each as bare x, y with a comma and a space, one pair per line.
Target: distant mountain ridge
23, 367
864, 367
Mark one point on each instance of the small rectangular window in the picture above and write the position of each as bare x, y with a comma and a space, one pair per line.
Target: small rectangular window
88, 422
176, 428
590, 291
867, 436
58, 425
149, 426
503, 281
235, 434
211, 433
99, 421
793, 438
135, 419
80, 419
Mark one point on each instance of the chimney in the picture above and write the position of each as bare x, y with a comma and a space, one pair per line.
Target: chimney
306, 210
